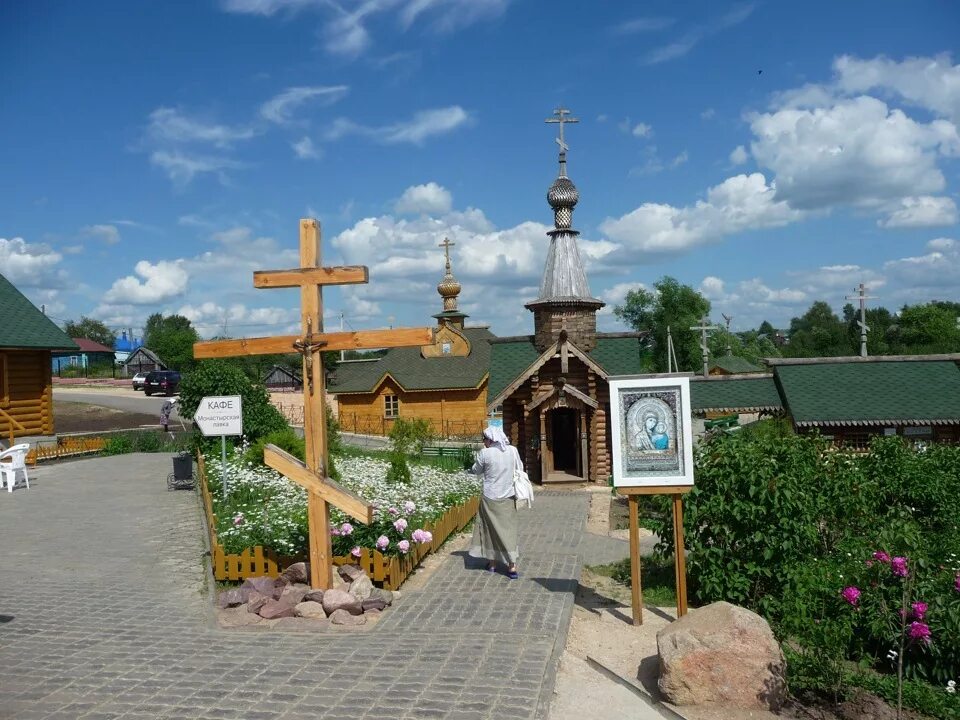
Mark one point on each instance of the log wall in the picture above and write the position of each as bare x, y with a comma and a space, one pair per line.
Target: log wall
26, 392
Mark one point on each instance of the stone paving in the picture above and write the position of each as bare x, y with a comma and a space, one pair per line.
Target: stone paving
105, 613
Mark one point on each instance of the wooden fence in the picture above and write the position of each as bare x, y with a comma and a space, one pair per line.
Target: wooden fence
388, 572
65, 447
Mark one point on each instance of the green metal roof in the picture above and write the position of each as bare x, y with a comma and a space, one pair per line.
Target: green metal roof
735, 394
734, 365
616, 353
22, 325
414, 372
871, 392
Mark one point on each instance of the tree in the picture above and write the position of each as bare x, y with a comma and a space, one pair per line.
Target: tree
818, 333
930, 328
672, 305
92, 330
172, 339
879, 320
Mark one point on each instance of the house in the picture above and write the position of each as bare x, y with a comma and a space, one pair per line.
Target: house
125, 345
443, 382
142, 360
27, 339
281, 379
91, 354
553, 386
732, 365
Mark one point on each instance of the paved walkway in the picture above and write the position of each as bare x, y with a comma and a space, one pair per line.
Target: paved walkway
103, 614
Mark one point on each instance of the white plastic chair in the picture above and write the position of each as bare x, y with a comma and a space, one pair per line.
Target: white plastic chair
17, 456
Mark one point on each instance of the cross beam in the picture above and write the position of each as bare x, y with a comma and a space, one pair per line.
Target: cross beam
322, 492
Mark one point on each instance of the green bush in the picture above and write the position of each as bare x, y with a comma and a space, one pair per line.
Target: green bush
118, 445
287, 440
399, 471
409, 435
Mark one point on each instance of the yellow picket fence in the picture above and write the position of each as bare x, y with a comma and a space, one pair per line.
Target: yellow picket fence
387, 572
65, 447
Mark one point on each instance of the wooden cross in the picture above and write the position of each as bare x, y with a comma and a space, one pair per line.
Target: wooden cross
310, 277
704, 329
446, 245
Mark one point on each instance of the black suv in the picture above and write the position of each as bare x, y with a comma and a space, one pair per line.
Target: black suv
162, 382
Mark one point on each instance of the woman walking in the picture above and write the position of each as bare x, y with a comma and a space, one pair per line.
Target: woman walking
495, 529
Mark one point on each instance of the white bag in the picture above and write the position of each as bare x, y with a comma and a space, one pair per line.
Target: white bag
522, 487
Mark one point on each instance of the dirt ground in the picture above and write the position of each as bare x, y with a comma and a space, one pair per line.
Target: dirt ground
71, 417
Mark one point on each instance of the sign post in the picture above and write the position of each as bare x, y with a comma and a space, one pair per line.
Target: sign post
220, 415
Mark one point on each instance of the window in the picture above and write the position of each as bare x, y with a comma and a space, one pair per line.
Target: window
391, 406
445, 348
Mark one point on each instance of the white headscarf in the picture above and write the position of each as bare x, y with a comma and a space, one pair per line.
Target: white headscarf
496, 436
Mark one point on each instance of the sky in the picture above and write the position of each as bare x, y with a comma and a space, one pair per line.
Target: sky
154, 154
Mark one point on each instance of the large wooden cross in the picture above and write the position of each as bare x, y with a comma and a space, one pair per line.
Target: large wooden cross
310, 277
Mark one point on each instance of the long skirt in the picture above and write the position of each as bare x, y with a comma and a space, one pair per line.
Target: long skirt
495, 531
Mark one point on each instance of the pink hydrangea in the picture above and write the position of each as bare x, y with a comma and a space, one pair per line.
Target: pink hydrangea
919, 610
422, 536
356, 551
881, 556
393, 511
899, 566
334, 530
409, 507
400, 525
382, 542
404, 546
919, 631
851, 595
346, 529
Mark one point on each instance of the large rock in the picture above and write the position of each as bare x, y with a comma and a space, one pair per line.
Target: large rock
234, 597
296, 573
293, 594
373, 605
721, 654
350, 572
266, 586
314, 595
380, 594
310, 609
273, 609
334, 600
342, 617
255, 601
237, 617
361, 588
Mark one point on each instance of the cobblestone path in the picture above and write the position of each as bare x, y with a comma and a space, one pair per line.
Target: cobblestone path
104, 614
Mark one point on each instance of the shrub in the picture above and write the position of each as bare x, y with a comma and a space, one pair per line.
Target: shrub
409, 436
118, 445
399, 471
286, 439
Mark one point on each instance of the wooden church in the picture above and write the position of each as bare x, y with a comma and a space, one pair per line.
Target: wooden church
444, 382
552, 386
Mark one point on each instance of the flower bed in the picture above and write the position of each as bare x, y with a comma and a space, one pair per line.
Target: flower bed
262, 525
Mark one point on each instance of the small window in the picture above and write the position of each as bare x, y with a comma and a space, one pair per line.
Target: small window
391, 406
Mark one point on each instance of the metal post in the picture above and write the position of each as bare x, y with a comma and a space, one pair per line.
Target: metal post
223, 466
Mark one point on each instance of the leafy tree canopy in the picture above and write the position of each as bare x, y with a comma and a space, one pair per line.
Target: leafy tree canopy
171, 338
91, 329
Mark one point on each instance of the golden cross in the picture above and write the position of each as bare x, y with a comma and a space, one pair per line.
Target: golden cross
446, 245
321, 490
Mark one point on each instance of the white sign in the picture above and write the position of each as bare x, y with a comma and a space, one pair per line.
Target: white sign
220, 415
651, 430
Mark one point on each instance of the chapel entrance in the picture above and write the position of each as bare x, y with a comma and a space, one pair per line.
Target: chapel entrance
563, 462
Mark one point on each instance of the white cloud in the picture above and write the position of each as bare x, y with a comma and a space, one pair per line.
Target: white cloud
712, 287
739, 155
923, 211
280, 108
641, 130
430, 198
689, 40
938, 269
169, 125
106, 233
740, 203
708, 114
416, 130
236, 320
942, 244
31, 265
679, 159
267, 7
450, 15
305, 149
158, 282
181, 167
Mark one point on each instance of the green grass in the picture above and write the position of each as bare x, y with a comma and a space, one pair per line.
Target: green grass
656, 579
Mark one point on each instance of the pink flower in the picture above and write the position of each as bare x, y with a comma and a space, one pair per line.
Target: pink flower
382, 542
404, 546
346, 529
869, 563
919, 631
422, 536
355, 552
334, 530
881, 556
956, 583
409, 507
239, 519
919, 610
393, 511
899, 566
851, 595
400, 525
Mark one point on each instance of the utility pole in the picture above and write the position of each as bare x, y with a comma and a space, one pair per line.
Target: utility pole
703, 327
862, 322
671, 354
341, 330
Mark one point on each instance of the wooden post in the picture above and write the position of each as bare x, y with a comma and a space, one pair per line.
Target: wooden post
680, 562
637, 590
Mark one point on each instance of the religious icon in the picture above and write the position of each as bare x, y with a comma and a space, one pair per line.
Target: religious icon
652, 441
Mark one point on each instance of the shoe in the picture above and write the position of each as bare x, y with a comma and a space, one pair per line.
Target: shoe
513, 574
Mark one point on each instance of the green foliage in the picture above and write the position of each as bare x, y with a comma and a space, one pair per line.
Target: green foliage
399, 471
818, 333
150, 441
172, 339
286, 439
409, 435
91, 329
334, 441
672, 305
928, 328
214, 377
656, 578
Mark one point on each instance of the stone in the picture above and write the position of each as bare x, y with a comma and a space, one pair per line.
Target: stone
334, 600
234, 597
314, 595
236, 617
302, 623
309, 609
381, 594
255, 601
350, 572
297, 573
342, 617
361, 588
263, 585
372, 605
721, 654
273, 609
293, 594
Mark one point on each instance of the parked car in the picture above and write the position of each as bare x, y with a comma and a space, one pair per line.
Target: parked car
162, 382
138, 380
